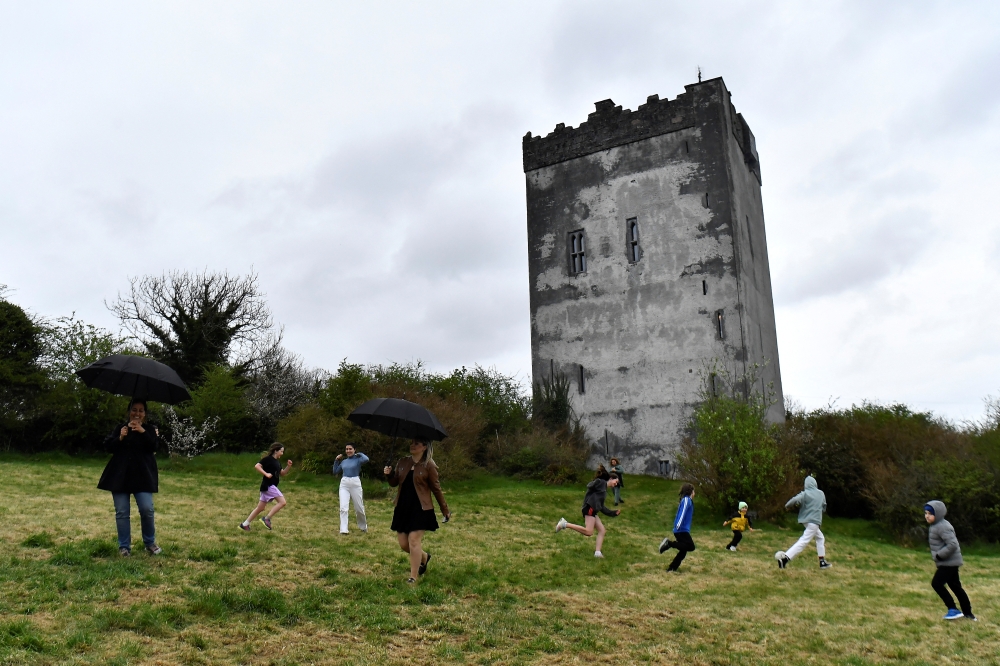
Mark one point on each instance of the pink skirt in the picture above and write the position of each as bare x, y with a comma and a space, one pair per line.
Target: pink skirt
272, 493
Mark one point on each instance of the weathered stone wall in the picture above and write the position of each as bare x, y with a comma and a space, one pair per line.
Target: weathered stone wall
642, 333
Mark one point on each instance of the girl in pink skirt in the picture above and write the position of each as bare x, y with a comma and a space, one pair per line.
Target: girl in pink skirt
271, 470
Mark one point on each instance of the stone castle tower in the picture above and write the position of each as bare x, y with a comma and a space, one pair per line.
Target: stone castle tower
647, 261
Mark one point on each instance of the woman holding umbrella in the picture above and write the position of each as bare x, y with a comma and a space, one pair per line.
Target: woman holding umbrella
417, 477
132, 471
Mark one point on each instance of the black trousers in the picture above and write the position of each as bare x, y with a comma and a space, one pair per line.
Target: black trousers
737, 537
684, 545
949, 576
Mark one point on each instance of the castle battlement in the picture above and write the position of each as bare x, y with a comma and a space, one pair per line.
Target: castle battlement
610, 125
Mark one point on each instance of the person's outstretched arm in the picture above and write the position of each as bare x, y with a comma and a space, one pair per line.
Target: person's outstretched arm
336, 467
795, 501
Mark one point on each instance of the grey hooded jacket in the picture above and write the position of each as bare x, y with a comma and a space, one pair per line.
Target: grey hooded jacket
941, 537
811, 503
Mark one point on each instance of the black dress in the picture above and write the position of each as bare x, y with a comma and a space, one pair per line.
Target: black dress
409, 515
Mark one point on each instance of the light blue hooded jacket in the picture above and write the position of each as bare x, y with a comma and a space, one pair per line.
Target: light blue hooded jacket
811, 503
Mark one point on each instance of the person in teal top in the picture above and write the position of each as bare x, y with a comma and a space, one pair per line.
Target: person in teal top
350, 486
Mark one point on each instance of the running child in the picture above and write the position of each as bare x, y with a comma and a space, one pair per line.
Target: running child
740, 523
597, 491
271, 470
947, 556
812, 504
682, 528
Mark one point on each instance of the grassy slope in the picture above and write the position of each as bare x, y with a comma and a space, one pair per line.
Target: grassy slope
502, 587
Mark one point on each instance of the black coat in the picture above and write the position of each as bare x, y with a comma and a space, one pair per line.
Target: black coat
132, 468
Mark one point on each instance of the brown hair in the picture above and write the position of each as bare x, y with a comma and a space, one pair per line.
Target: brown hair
277, 446
601, 473
686, 490
614, 461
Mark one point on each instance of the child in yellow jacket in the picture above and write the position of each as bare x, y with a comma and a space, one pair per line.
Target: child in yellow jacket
740, 523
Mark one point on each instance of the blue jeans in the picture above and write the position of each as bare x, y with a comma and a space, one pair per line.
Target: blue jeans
144, 501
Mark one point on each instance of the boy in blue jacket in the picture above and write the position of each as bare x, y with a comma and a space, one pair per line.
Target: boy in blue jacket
682, 528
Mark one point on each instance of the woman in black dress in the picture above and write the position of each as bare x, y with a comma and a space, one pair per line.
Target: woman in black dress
132, 471
417, 477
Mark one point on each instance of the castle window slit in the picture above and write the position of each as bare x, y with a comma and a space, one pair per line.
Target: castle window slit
577, 253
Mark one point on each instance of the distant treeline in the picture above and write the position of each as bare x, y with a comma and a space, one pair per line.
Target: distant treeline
248, 390
880, 462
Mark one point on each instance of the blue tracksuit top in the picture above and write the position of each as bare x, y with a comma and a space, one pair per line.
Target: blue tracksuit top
350, 466
682, 521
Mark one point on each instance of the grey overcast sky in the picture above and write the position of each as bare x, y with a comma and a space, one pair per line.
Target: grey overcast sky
365, 160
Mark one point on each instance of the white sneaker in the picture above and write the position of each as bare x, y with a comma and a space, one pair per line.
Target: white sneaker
561, 525
599, 554
732, 548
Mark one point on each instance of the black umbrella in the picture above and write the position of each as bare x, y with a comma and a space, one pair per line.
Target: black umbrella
137, 377
398, 418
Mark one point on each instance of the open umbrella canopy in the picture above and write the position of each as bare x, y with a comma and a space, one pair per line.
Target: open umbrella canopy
398, 418
136, 377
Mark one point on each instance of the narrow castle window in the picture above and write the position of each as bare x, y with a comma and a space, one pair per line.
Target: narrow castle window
706, 200
750, 236
704, 287
720, 324
582, 386
577, 253
632, 240
713, 384
687, 147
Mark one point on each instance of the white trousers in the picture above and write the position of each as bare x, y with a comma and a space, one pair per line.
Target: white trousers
350, 490
812, 532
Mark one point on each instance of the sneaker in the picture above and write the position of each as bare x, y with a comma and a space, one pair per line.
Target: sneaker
266, 521
244, 527
411, 581
823, 564
953, 614
732, 548
671, 570
665, 545
423, 567
783, 559
561, 525
154, 549
125, 552
599, 554
622, 501
972, 617
345, 532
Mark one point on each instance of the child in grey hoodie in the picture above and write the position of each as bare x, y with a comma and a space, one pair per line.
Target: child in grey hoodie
947, 556
812, 505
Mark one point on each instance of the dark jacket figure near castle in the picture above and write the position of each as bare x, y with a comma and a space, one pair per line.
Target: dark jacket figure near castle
947, 554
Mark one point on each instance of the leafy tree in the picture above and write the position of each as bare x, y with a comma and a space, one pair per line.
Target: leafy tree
22, 380
191, 321
733, 454
78, 417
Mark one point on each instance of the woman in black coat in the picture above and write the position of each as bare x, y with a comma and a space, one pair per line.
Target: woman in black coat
132, 471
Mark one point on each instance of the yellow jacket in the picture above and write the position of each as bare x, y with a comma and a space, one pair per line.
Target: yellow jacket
740, 523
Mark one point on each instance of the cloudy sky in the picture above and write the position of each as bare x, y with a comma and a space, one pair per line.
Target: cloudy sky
365, 160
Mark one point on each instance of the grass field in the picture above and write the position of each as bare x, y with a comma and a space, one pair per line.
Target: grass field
502, 588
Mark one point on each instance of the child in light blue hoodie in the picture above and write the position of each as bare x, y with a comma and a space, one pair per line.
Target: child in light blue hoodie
812, 504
